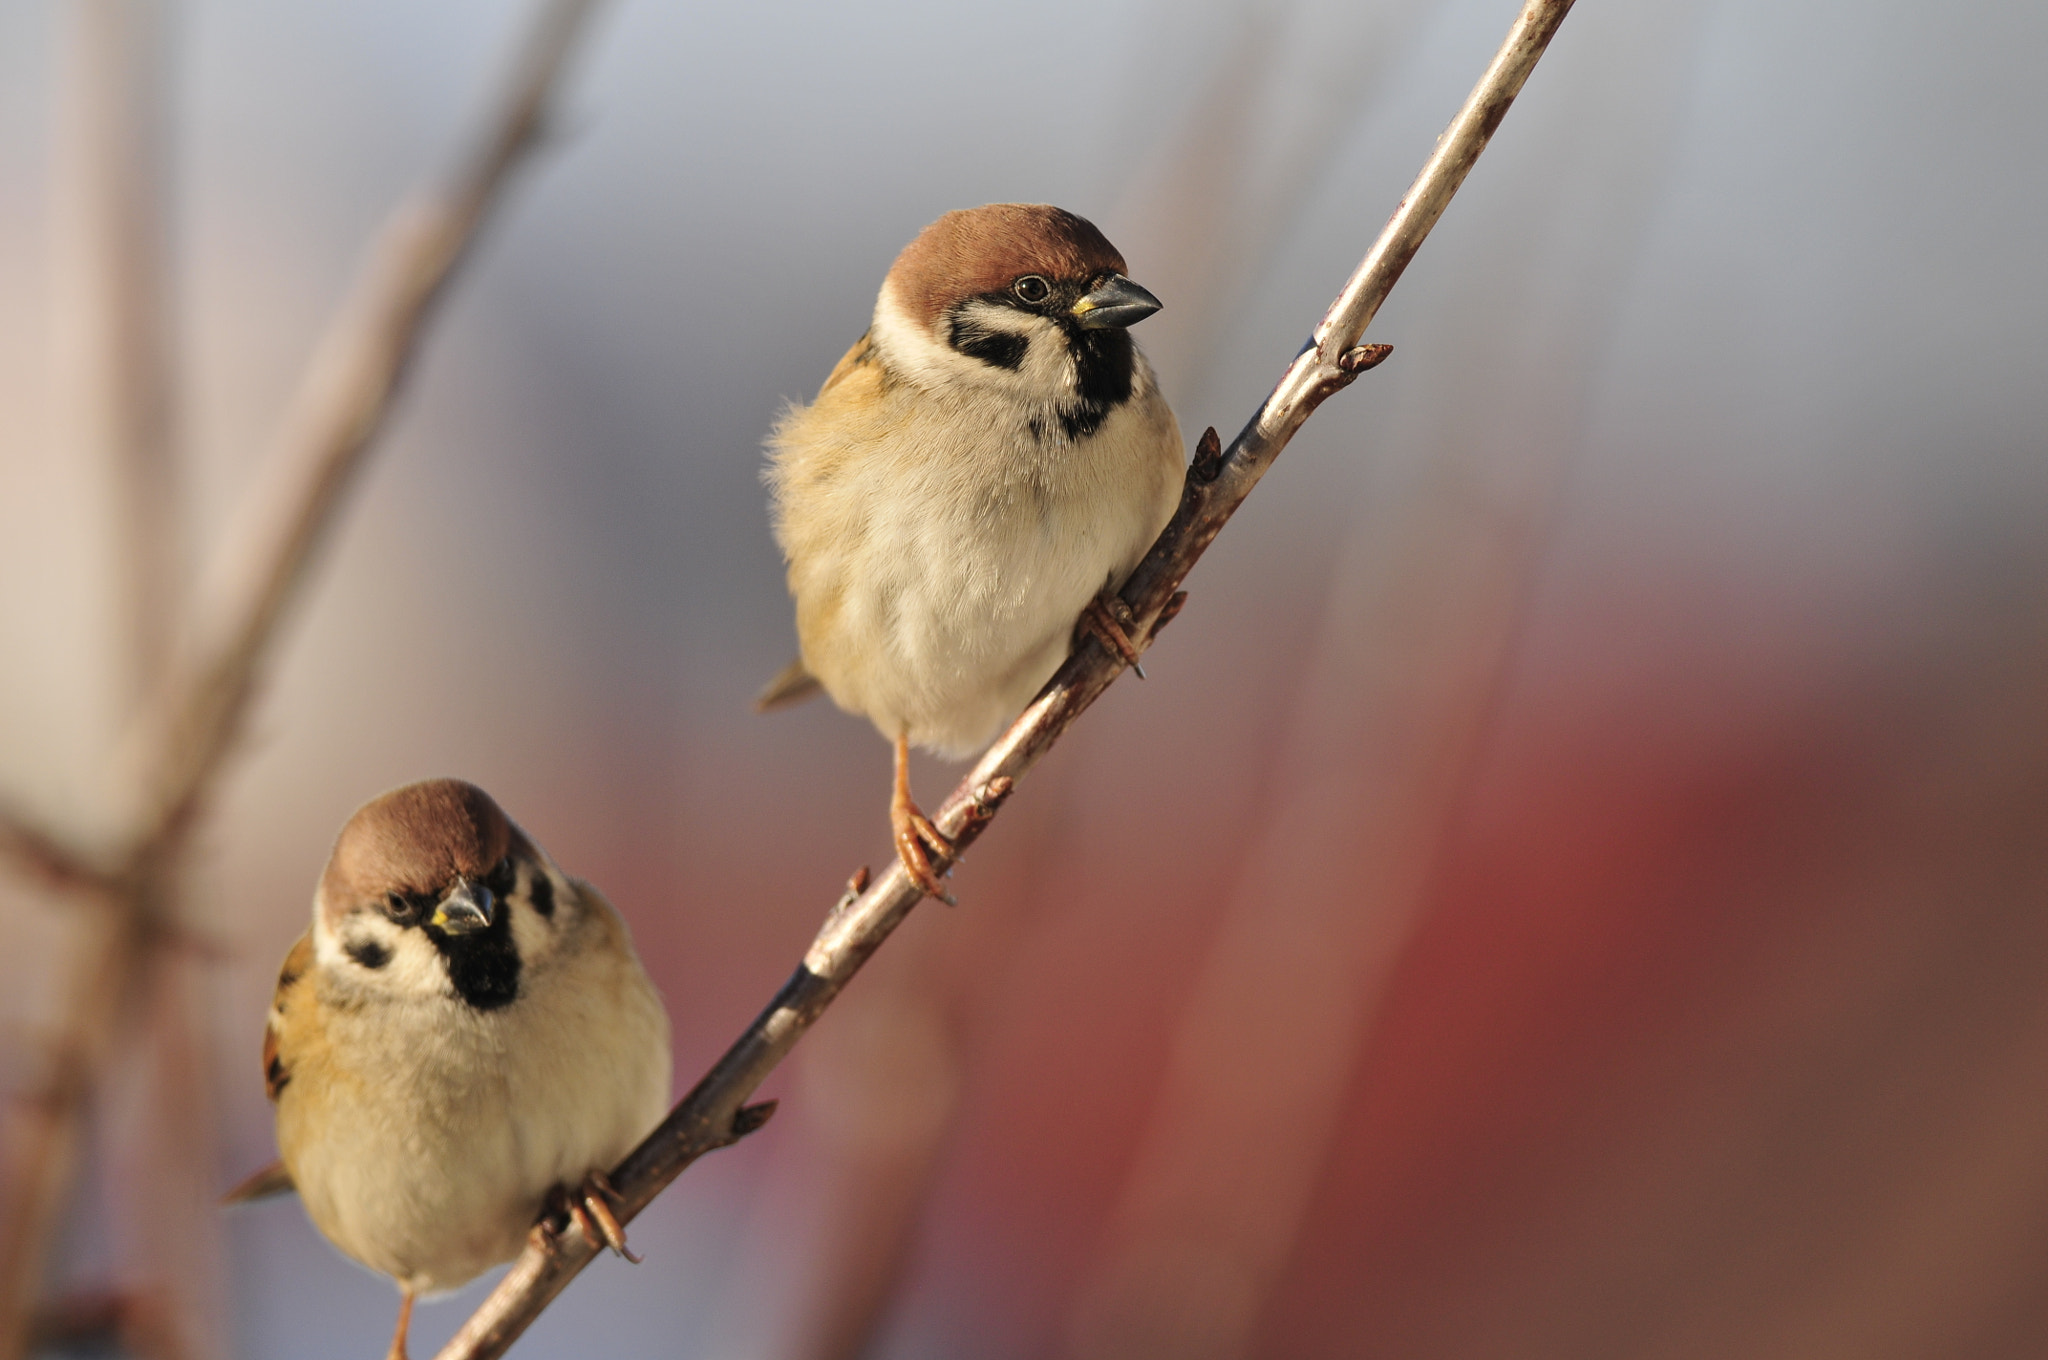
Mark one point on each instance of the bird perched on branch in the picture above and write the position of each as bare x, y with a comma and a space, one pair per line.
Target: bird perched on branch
986, 464
464, 1039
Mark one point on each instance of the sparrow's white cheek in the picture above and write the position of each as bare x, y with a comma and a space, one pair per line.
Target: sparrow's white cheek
376, 954
1034, 366
540, 905
416, 967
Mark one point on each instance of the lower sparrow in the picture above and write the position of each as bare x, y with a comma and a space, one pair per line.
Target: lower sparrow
463, 1039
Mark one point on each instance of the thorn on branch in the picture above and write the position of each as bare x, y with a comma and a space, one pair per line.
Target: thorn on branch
988, 800
1167, 615
749, 1120
1208, 457
1356, 361
856, 884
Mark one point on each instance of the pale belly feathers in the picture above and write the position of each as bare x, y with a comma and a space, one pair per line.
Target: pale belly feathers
436, 1151
944, 561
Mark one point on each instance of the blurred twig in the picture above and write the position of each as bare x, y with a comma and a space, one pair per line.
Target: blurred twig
1207, 213
339, 408
101, 1319
118, 126
711, 1115
122, 114
115, 350
39, 855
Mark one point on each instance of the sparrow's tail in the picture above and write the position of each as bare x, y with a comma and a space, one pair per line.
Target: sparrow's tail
271, 1180
792, 685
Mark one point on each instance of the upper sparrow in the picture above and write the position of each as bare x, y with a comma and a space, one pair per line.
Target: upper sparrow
988, 462
464, 1037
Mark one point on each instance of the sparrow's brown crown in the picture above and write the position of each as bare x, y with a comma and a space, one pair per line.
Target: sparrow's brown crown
417, 840
974, 251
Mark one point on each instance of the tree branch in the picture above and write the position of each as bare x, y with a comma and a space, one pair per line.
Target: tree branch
714, 1114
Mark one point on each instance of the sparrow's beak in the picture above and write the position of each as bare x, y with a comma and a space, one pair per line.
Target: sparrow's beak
467, 907
1117, 303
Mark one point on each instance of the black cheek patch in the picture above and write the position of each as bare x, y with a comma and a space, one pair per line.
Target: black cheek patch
368, 953
543, 894
1003, 349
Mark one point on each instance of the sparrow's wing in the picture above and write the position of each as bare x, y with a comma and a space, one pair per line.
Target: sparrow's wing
276, 1070
274, 1179
792, 685
271, 1180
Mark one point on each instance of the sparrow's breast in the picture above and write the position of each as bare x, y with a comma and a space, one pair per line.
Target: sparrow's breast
424, 1138
940, 562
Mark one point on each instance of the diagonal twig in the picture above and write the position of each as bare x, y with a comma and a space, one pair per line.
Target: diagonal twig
41, 856
340, 406
713, 1114
338, 410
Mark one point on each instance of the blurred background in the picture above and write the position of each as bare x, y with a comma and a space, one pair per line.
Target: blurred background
1573, 884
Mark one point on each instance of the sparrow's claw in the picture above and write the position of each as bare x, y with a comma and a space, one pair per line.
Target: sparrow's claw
589, 1207
914, 831
601, 1227
1107, 616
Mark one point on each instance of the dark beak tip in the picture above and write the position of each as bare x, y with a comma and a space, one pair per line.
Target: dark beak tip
465, 910
1118, 303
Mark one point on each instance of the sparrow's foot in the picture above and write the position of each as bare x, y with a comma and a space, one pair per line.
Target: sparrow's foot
914, 831
589, 1207
593, 1213
1107, 617
397, 1351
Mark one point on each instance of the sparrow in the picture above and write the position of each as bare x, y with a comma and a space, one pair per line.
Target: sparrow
463, 1040
988, 462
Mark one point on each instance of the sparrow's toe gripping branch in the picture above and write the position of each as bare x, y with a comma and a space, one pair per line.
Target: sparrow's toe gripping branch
1108, 618
593, 1212
589, 1207
917, 842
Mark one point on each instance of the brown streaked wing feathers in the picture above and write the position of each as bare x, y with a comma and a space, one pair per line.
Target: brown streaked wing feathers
275, 1073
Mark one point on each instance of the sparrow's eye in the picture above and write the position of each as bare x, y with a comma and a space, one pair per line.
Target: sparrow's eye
396, 907
500, 879
1032, 289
